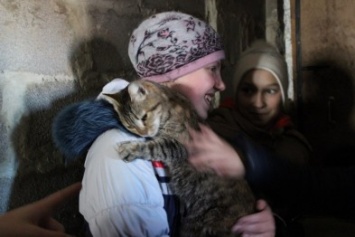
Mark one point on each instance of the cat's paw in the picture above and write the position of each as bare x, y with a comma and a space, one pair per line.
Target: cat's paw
127, 151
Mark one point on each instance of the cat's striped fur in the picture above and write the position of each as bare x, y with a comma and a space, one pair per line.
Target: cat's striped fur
211, 204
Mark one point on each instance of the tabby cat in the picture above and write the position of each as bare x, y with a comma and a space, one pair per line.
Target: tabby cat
211, 204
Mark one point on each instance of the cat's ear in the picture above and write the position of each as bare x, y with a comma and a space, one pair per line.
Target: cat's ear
137, 91
109, 97
113, 99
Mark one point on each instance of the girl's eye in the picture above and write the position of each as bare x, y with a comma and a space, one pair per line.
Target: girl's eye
212, 69
272, 91
215, 68
247, 90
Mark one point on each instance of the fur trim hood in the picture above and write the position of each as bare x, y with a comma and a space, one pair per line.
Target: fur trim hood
77, 126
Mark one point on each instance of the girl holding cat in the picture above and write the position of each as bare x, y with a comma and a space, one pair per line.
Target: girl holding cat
256, 114
134, 199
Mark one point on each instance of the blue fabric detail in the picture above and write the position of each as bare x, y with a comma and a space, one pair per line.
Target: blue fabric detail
87, 232
163, 179
172, 208
77, 126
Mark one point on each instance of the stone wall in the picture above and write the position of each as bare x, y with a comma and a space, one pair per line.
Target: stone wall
327, 79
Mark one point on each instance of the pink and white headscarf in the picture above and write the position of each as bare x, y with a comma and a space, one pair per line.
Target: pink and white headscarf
169, 45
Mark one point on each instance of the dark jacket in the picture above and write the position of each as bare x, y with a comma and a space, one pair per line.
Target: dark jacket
312, 190
282, 138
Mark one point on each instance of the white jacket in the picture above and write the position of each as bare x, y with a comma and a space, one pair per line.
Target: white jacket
119, 198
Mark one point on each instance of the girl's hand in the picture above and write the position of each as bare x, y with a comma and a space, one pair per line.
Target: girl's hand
209, 152
260, 224
35, 219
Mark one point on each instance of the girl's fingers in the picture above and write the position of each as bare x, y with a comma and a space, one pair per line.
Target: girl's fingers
49, 203
52, 224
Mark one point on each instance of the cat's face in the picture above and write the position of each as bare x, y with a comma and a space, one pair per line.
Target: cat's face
139, 107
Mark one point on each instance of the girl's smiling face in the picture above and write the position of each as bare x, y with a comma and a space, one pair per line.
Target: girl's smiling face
201, 86
259, 97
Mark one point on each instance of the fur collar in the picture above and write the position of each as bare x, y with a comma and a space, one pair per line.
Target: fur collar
77, 126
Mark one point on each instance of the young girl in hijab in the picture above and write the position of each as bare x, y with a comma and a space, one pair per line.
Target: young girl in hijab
134, 199
256, 114
260, 104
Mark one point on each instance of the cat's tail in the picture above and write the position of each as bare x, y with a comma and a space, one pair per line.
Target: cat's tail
77, 126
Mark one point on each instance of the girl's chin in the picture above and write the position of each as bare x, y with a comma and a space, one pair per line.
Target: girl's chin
258, 122
202, 114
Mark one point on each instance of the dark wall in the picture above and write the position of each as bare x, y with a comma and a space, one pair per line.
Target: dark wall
239, 23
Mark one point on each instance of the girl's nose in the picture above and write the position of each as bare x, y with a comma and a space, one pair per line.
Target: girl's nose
219, 84
258, 101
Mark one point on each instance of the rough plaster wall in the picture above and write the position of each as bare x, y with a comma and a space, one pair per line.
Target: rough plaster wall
32, 54
211, 13
271, 21
328, 36
287, 19
239, 23
278, 33
327, 30
328, 78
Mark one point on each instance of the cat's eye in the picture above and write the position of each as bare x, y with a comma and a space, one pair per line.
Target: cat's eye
144, 118
142, 91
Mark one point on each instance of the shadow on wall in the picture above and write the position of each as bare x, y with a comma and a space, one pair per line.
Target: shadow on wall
328, 100
41, 166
